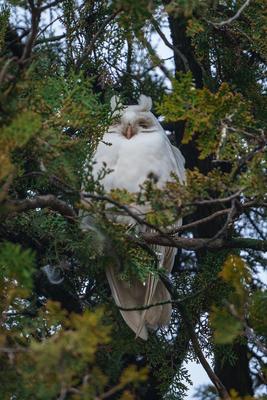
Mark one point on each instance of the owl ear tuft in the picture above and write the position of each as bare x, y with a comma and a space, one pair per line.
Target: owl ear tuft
115, 103
145, 103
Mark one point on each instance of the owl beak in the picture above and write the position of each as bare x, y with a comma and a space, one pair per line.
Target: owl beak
129, 132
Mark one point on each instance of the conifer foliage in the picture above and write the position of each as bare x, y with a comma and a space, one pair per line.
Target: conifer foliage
61, 335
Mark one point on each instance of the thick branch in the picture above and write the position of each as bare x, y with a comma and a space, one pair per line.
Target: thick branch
205, 243
35, 19
46, 201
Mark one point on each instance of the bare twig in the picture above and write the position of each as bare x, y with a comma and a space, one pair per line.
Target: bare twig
202, 359
194, 340
156, 60
168, 44
35, 19
255, 226
173, 301
50, 5
228, 221
128, 211
215, 201
249, 333
89, 48
50, 39
230, 20
48, 25
243, 162
199, 221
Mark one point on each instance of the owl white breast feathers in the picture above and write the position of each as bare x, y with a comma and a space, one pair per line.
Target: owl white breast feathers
135, 147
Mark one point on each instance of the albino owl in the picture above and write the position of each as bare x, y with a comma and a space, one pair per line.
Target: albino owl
135, 147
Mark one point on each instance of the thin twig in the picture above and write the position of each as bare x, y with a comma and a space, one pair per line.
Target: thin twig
50, 39
199, 221
194, 340
255, 226
215, 201
250, 335
50, 5
196, 346
172, 301
89, 48
168, 44
85, 196
48, 25
156, 60
230, 20
229, 219
248, 332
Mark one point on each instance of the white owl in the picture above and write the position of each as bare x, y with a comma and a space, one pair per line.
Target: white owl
135, 147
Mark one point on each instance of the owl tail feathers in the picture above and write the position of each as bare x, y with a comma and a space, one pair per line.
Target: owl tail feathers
138, 295
124, 298
150, 288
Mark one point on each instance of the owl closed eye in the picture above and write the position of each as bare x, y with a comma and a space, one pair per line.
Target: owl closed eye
133, 119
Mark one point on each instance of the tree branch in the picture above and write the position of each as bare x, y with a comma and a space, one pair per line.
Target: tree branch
46, 201
50, 5
168, 44
88, 49
35, 19
205, 243
216, 201
230, 20
200, 221
50, 39
128, 211
156, 60
228, 221
194, 340
172, 301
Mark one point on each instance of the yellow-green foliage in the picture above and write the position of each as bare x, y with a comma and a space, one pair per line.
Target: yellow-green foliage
228, 320
64, 338
15, 135
204, 112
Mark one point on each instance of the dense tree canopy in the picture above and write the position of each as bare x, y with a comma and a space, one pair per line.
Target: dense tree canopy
61, 335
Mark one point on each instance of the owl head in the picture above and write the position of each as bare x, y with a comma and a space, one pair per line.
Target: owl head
134, 119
